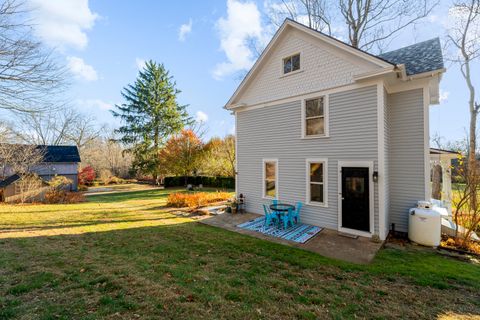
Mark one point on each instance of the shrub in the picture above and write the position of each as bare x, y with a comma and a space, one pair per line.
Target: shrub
105, 176
213, 182
86, 176
59, 182
61, 196
116, 180
195, 200
82, 187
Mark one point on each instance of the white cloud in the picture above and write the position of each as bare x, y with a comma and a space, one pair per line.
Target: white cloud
201, 116
63, 23
243, 23
80, 69
185, 29
443, 95
95, 104
140, 63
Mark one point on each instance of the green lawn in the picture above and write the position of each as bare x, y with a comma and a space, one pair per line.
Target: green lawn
125, 255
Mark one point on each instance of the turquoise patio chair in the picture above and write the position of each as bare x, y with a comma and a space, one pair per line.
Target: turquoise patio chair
296, 213
286, 218
269, 216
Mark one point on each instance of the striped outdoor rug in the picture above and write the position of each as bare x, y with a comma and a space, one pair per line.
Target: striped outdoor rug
300, 233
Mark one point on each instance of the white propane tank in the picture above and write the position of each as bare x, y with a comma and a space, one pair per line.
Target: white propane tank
424, 225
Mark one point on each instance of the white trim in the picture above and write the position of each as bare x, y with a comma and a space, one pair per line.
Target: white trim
282, 74
426, 128
381, 162
309, 95
374, 73
236, 155
309, 161
326, 118
427, 74
264, 196
291, 73
289, 23
407, 85
357, 164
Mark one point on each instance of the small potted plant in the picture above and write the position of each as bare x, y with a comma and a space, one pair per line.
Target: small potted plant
234, 206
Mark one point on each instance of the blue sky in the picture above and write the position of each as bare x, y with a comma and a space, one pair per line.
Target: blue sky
200, 42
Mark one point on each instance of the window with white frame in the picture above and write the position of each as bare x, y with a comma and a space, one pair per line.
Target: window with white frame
270, 176
314, 117
316, 181
291, 63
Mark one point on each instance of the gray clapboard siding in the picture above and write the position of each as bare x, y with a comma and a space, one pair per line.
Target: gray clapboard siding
275, 132
406, 154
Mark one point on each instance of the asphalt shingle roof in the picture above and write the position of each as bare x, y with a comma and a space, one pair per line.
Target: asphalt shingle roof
55, 153
8, 181
60, 153
418, 58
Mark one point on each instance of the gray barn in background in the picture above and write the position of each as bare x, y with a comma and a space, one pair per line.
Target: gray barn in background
57, 161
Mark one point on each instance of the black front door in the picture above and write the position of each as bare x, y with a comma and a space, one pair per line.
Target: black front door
355, 199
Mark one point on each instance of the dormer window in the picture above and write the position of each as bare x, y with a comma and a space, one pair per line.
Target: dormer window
291, 63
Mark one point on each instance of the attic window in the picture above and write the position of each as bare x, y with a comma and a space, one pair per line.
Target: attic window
291, 63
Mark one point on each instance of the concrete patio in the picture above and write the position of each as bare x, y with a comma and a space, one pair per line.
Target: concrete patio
327, 243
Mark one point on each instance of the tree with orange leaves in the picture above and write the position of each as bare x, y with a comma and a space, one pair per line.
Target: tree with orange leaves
182, 154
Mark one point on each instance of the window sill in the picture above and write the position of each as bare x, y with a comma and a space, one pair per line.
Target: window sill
268, 198
291, 73
317, 204
315, 137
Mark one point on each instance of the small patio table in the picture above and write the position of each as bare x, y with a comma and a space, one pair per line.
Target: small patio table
281, 208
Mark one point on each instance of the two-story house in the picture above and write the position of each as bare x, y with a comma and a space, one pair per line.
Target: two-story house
341, 130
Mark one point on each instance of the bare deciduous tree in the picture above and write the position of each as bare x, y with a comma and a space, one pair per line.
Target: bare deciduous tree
463, 34
18, 159
106, 153
370, 23
312, 13
65, 126
29, 74
467, 212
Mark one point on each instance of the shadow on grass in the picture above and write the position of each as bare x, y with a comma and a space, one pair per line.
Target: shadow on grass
80, 223
130, 195
192, 270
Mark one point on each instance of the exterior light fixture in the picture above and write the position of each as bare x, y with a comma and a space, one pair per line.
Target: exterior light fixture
375, 176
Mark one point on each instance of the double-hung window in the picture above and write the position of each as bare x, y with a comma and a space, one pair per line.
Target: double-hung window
314, 115
316, 181
270, 178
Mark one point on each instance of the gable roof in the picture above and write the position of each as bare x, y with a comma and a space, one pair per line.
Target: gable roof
55, 153
59, 153
328, 39
418, 58
8, 181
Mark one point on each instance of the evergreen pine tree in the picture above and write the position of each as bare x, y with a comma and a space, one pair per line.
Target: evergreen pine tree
150, 115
